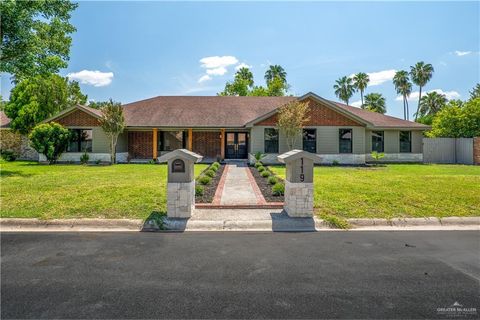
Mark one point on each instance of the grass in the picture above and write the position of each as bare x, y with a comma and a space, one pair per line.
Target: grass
397, 190
31, 190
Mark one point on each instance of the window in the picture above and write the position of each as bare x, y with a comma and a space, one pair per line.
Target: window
377, 141
171, 140
80, 141
271, 140
310, 140
345, 140
405, 141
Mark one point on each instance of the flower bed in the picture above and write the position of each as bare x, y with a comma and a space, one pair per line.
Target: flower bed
266, 187
209, 188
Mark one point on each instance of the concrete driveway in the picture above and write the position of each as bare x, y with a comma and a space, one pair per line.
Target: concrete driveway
240, 275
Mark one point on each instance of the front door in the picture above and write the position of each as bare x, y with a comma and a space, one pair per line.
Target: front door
236, 145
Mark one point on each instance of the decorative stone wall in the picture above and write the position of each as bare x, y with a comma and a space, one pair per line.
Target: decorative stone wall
17, 143
298, 199
180, 199
476, 150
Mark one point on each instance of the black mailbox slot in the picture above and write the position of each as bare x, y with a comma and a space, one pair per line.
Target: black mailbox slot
178, 165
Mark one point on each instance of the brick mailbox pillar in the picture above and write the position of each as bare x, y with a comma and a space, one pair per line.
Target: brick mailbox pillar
298, 182
181, 182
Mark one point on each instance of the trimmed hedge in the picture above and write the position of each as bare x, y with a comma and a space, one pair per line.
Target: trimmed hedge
258, 164
278, 189
272, 180
265, 173
204, 180
261, 168
199, 190
210, 173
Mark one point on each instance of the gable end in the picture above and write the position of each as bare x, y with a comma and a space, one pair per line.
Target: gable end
77, 118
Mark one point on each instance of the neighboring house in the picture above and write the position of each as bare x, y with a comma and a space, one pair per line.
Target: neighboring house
238, 127
15, 142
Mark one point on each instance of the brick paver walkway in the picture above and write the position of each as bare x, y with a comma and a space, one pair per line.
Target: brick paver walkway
238, 187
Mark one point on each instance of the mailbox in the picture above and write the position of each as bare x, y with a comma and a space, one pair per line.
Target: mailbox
299, 182
181, 182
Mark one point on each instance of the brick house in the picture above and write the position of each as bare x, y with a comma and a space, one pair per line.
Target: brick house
238, 127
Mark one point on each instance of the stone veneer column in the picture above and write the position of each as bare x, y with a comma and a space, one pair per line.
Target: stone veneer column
298, 199
180, 199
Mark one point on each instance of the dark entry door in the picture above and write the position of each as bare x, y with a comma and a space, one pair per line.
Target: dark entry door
236, 145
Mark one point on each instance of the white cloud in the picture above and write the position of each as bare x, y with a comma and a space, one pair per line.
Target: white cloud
448, 94
462, 53
220, 71
356, 103
217, 61
204, 78
377, 78
95, 78
242, 65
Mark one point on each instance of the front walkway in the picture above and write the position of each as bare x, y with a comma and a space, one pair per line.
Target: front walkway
238, 187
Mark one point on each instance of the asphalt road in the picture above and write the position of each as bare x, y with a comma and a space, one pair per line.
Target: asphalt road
240, 275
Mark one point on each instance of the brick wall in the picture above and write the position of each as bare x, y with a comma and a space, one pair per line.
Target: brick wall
320, 115
78, 118
140, 144
476, 150
206, 143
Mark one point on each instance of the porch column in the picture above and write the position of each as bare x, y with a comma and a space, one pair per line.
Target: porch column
190, 139
155, 143
222, 143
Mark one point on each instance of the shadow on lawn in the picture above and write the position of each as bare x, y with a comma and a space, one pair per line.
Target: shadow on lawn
14, 173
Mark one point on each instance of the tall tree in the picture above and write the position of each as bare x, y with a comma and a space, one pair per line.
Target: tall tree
275, 71
475, 93
35, 36
402, 84
375, 102
291, 119
360, 82
344, 89
243, 85
36, 99
457, 122
113, 124
421, 73
431, 103
245, 74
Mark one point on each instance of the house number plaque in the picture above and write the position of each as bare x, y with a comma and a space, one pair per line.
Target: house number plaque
302, 176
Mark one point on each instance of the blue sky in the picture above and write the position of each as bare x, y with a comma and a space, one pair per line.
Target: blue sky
146, 49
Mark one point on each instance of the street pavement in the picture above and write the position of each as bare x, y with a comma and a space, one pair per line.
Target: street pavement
354, 275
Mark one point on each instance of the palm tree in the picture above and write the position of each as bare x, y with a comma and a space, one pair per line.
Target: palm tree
344, 88
375, 102
403, 86
421, 73
275, 71
246, 75
431, 103
360, 82
475, 93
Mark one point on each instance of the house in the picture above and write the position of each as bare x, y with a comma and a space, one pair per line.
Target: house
238, 127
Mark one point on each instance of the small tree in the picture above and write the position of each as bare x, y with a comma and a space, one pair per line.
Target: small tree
50, 139
291, 119
113, 123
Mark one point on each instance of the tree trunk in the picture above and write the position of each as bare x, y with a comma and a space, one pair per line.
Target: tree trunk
408, 110
418, 107
404, 109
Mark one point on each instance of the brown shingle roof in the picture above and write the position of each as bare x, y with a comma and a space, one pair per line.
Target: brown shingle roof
200, 111
4, 120
380, 120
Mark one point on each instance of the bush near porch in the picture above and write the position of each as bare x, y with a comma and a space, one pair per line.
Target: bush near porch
31, 190
396, 190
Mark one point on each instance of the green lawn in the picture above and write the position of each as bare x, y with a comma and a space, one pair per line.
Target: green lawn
67, 191
396, 191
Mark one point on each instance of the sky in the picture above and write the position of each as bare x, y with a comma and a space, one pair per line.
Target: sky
129, 51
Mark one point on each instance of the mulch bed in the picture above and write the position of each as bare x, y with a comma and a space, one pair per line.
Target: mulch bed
265, 187
211, 188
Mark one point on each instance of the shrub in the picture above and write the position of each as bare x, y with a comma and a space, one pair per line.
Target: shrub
272, 180
377, 156
216, 164
84, 158
335, 163
8, 155
204, 180
98, 161
151, 161
258, 164
50, 139
278, 189
199, 190
265, 173
261, 168
210, 173
214, 168
259, 156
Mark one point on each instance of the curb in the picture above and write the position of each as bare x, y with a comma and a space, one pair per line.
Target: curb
275, 225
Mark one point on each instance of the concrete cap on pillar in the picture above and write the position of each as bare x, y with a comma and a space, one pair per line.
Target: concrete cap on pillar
183, 154
296, 154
